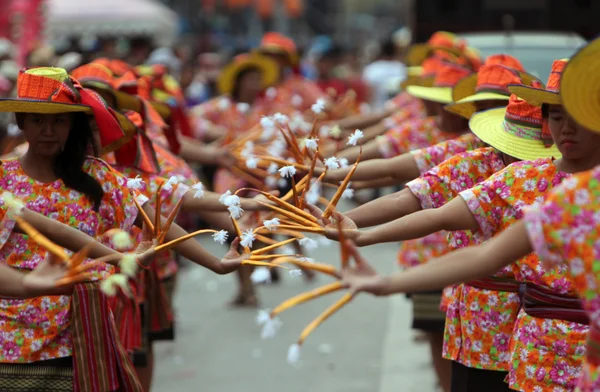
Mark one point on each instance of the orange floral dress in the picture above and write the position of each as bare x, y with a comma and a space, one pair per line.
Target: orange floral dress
564, 232
405, 107
540, 349
37, 329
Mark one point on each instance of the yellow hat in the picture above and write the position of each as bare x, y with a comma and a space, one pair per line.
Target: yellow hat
447, 76
515, 130
580, 86
228, 77
539, 96
490, 83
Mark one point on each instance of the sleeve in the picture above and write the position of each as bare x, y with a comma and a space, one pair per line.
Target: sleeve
7, 224
488, 203
310, 92
559, 225
396, 141
429, 157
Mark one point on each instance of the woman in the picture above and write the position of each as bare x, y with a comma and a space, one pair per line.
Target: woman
492, 206
56, 178
570, 208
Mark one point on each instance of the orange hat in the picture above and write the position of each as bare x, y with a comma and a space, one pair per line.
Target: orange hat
276, 43
447, 76
506, 60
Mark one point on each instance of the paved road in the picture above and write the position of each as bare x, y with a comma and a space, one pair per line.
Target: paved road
367, 347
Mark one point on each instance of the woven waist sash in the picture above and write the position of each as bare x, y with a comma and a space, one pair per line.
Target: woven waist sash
542, 302
127, 318
100, 363
494, 283
159, 308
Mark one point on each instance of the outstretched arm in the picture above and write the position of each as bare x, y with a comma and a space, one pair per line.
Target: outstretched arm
363, 120
370, 151
463, 265
403, 168
452, 217
385, 209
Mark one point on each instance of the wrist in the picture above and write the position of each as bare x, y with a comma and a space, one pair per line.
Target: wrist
385, 285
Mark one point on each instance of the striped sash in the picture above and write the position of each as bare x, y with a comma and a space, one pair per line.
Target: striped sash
100, 362
542, 302
593, 346
127, 318
159, 308
494, 283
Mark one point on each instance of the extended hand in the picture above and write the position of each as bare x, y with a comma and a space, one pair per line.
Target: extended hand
232, 259
331, 225
44, 278
361, 277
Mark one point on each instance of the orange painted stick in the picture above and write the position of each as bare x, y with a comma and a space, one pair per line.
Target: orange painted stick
179, 240
41, 240
301, 184
165, 228
268, 257
304, 297
261, 264
324, 316
284, 204
292, 216
72, 279
145, 216
79, 257
157, 211
266, 240
269, 248
311, 172
83, 268
323, 268
283, 162
302, 229
247, 177
338, 194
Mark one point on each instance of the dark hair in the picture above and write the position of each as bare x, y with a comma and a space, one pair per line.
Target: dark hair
238, 78
334, 53
388, 48
68, 165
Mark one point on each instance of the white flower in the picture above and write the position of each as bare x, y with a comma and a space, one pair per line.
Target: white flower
271, 182
272, 168
220, 237
321, 102
293, 355
308, 243
297, 100
224, 104
281, 183
343, 162
223, 196
110, 285
295, 273
261, 275
311, 144
248, 150
270, 328
270, 224
247, 238
281, 119
335, 132
348, 193
235, 211
15, 205
229, 199
128, 265
271, 92
355, 137
199, 188
313, 195
316, 108
242, 107
287, 171
122, 240
307, 260
170, 182
252, 162
332, 163
135, 183
267, 122
263, 316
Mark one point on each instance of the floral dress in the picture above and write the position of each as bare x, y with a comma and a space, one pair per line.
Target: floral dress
543, 353
564, 232
429, 157
406, 107
37, 329
412, 135
434, 189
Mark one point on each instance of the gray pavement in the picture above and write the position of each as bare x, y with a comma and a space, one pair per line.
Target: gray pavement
366, 347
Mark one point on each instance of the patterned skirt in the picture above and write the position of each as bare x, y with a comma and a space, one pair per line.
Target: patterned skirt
55, 375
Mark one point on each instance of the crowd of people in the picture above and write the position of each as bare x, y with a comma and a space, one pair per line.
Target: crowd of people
102, 192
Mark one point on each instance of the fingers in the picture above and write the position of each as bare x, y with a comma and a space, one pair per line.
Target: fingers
235, 244
353, 250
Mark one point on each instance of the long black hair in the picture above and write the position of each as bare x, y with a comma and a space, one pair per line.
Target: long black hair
68, 165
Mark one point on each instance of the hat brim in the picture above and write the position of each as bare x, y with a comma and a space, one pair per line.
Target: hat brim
414, 71
580, 86
162, 108
467, 107
293, 58
123, 100
433, 94
489, 127
535, 96
269, 71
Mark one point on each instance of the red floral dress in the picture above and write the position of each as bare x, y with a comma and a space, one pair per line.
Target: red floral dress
37, 329
564, 232
543, 353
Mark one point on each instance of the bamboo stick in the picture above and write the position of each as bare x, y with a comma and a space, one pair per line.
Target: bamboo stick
324, 316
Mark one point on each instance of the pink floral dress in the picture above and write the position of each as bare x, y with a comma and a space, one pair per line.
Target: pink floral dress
543, 353
37, 329
564, 234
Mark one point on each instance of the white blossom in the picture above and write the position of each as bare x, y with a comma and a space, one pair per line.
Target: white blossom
272, 168
271, 223
270, 328
308, 243
235, 211
267, 122
128, 265
287, 171
252, 162
224, 104
247, 239
335, 132
343, 162
319, 106
293, 355
355, 137
122, 240
170, 182
261, 275
332, 163
295, 273
297, 100
281, 119
199, 190
135, 183
311, 144
348, 193
220, 237
242, 107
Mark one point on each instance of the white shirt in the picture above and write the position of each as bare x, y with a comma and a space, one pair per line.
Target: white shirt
378, 74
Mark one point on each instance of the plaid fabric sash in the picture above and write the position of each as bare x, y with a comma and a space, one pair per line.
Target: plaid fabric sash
128, 318
593, 346
100, 362
159, 308
496, 284
542, 302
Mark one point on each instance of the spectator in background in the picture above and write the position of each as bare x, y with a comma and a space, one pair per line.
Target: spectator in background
378, 73
203, 87
327, 63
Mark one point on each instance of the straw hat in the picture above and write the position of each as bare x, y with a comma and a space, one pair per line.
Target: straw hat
48, 90
447, 76
276, 43
490, 83
267, 67
101, 78
441, 41
515, 130
549, 95
580, 86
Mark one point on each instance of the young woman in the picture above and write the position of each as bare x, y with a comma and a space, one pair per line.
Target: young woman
494, 205
56, 178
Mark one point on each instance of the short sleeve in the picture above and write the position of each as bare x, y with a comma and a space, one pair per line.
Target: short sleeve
429, 157
7, 223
